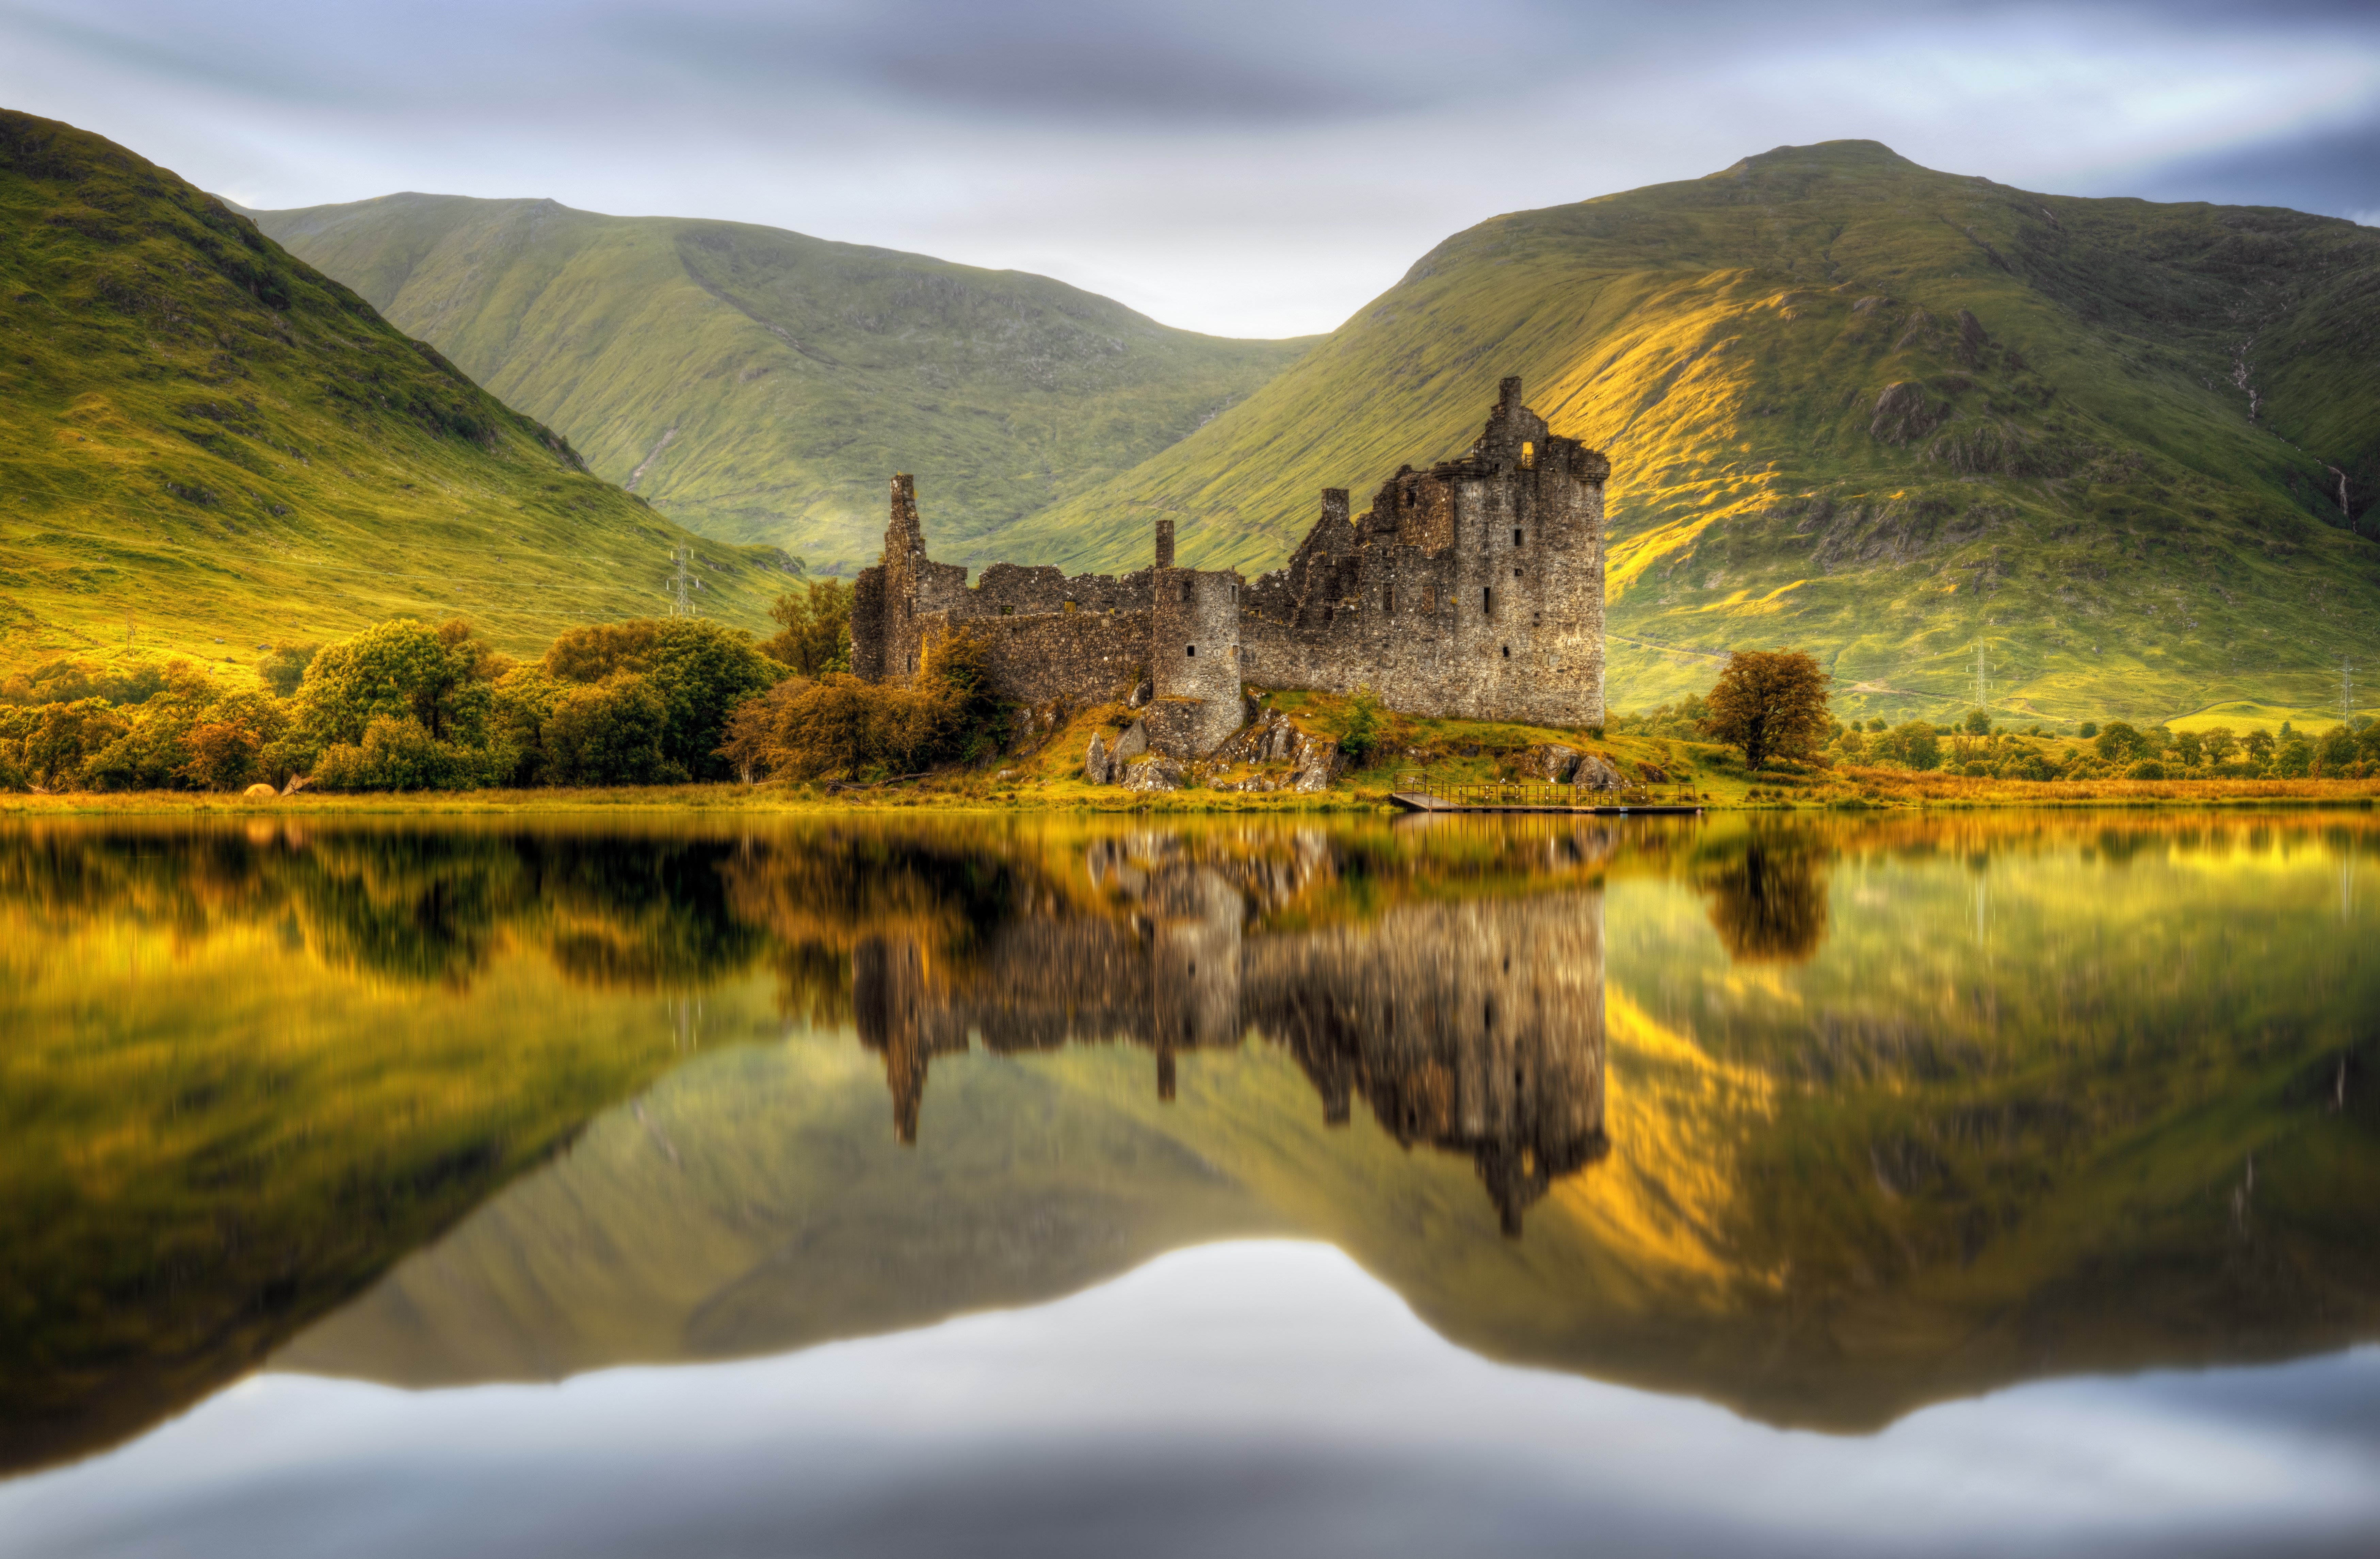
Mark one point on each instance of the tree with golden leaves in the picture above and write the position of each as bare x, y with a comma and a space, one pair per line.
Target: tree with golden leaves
1771, 703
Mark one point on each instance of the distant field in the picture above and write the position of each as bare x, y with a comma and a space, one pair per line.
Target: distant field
2243, 715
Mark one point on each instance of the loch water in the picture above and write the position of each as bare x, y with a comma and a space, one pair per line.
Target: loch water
1966, 1183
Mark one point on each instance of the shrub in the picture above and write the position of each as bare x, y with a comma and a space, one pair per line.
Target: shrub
2293, 759
2087, 730
1362, 735
2146, 769
1977, 723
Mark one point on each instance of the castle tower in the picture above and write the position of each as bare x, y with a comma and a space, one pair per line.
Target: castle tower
1194, 655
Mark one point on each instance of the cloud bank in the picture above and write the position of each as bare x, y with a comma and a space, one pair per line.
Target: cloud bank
1248, 169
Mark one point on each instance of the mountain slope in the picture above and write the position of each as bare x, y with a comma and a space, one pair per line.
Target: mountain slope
761, 385
1889, 414
212, 442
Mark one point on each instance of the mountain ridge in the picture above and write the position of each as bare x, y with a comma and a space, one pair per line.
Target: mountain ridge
760, 384
2096, 467
210, 445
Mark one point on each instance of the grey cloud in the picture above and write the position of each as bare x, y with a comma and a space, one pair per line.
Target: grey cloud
2334, 171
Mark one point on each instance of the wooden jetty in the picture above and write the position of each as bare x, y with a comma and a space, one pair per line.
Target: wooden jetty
1414, 793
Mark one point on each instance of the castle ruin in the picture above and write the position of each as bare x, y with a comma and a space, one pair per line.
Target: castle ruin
1471, 589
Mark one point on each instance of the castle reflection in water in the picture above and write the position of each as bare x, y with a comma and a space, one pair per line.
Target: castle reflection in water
1473, 1025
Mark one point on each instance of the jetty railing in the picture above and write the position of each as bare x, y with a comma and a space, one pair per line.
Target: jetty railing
1541, 793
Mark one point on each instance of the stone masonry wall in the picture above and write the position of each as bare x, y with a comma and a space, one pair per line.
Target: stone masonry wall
1474, 589
1471, 589
1052, 655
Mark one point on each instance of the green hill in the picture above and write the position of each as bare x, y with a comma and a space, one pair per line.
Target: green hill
206, 445
761, 385
1882, 412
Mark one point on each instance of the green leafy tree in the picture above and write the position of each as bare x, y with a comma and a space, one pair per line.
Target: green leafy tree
2087, 730
2191, 748
816, 628
396, 754
2367, 742
399, 669
1977, 723
2120, 742
49, 747
698, 670
285, 669
523, 700
2293, 757
1913, 744
1769, 704
2219, 743
2258, 745
611, 734
2337, 749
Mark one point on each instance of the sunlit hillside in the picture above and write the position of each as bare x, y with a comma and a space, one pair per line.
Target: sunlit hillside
2126, 452
761, 386
208, 447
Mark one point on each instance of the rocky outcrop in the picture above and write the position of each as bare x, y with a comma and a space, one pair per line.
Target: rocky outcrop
1905, 412
1151, 775
1099, 763
1596, 773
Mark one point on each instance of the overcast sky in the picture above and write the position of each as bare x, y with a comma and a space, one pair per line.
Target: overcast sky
1248, 167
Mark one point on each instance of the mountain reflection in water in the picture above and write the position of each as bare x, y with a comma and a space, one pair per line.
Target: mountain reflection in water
1823, 1121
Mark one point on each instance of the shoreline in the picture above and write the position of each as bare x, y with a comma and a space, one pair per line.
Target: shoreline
1906, 794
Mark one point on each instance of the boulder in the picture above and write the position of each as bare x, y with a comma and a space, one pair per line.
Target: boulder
1099, 764
1596, 773
260, 792
1133, 743
1157, 774
1140, 694
1550, 761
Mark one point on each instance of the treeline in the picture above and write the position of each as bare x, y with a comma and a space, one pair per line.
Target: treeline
1975, 746
408, 707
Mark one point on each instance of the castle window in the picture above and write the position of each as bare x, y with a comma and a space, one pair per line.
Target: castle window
1516, 574
1185, 592
1508, 652
1516, 536
1528, 457
1486, 601
1191, 650
1389, 598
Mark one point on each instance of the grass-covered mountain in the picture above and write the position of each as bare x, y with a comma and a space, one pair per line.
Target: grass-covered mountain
1885, 413
207, 436
761, 386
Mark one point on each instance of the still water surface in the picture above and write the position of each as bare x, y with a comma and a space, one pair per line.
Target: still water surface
1924, 1185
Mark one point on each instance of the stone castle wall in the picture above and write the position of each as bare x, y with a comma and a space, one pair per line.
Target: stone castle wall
1042, 656
1472, 589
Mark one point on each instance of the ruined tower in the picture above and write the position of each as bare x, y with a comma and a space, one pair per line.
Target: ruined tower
1472, 589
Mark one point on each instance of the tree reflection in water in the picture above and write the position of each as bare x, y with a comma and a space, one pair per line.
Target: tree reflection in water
1768, 904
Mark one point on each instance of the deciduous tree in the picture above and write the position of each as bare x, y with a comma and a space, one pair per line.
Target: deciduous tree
1771, 703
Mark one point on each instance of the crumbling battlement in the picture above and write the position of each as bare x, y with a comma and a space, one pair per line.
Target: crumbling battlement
1472, 589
